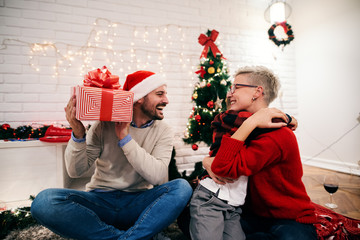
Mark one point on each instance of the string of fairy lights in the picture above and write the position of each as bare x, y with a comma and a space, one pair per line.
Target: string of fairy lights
122, 48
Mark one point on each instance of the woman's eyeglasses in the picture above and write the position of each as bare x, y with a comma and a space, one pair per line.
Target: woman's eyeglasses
235, 86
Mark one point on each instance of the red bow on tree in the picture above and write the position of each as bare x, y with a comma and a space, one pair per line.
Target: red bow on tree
208, 42
201, 71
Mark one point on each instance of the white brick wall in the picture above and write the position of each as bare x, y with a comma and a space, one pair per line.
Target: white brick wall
28, 96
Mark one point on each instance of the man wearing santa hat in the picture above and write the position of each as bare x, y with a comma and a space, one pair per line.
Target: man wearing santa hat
128, 196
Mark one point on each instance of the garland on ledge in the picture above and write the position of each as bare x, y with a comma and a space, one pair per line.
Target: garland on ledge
288, 31
46, 133
21, 132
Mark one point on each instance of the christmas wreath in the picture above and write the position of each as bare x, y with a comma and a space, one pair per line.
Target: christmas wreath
288, 31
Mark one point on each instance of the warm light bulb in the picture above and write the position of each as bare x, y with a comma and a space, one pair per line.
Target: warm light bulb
277, 12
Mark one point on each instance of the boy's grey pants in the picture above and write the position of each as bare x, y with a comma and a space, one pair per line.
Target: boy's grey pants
212, 218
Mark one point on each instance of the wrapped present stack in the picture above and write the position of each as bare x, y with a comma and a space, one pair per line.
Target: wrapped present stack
101, 98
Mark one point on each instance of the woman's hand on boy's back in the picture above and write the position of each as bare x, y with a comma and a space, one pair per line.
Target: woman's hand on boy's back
263, 118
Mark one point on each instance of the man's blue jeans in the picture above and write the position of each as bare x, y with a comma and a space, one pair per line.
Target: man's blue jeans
111, 215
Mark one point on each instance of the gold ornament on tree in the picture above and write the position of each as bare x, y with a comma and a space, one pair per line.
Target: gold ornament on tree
211, 70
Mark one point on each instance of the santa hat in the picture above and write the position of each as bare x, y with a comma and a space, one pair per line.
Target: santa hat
142, 82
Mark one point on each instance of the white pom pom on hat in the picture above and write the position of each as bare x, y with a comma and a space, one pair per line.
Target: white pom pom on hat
142, 82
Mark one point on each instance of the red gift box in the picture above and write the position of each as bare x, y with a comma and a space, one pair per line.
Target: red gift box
56, 134
101, 99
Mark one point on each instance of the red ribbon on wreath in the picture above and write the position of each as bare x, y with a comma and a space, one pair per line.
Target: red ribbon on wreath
101, 78
208, 42
283, 24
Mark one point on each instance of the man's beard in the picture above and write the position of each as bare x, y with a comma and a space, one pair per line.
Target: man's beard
151, 113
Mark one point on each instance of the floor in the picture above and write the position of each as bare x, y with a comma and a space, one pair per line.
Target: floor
347, 197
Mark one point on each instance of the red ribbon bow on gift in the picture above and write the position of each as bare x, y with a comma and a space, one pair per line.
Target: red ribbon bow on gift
209, 42
101, 78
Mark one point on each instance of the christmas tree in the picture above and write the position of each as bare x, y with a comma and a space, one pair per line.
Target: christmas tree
209, 93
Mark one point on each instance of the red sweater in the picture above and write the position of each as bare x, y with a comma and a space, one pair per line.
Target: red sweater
272, 162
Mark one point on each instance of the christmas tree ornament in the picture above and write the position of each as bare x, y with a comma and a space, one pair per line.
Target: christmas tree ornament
218, 70
195, 95
211, 62
218, 103
211, 70
202, 72
223, 82
208, 85
195, 147
198, 118
210, 104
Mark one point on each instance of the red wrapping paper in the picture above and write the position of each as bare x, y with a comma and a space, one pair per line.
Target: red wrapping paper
93, 103
102, 99
56, 134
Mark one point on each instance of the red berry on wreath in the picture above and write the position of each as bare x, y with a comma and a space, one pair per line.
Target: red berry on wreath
194, 147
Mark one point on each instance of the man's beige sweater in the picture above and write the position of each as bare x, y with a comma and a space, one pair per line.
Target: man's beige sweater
138, 165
